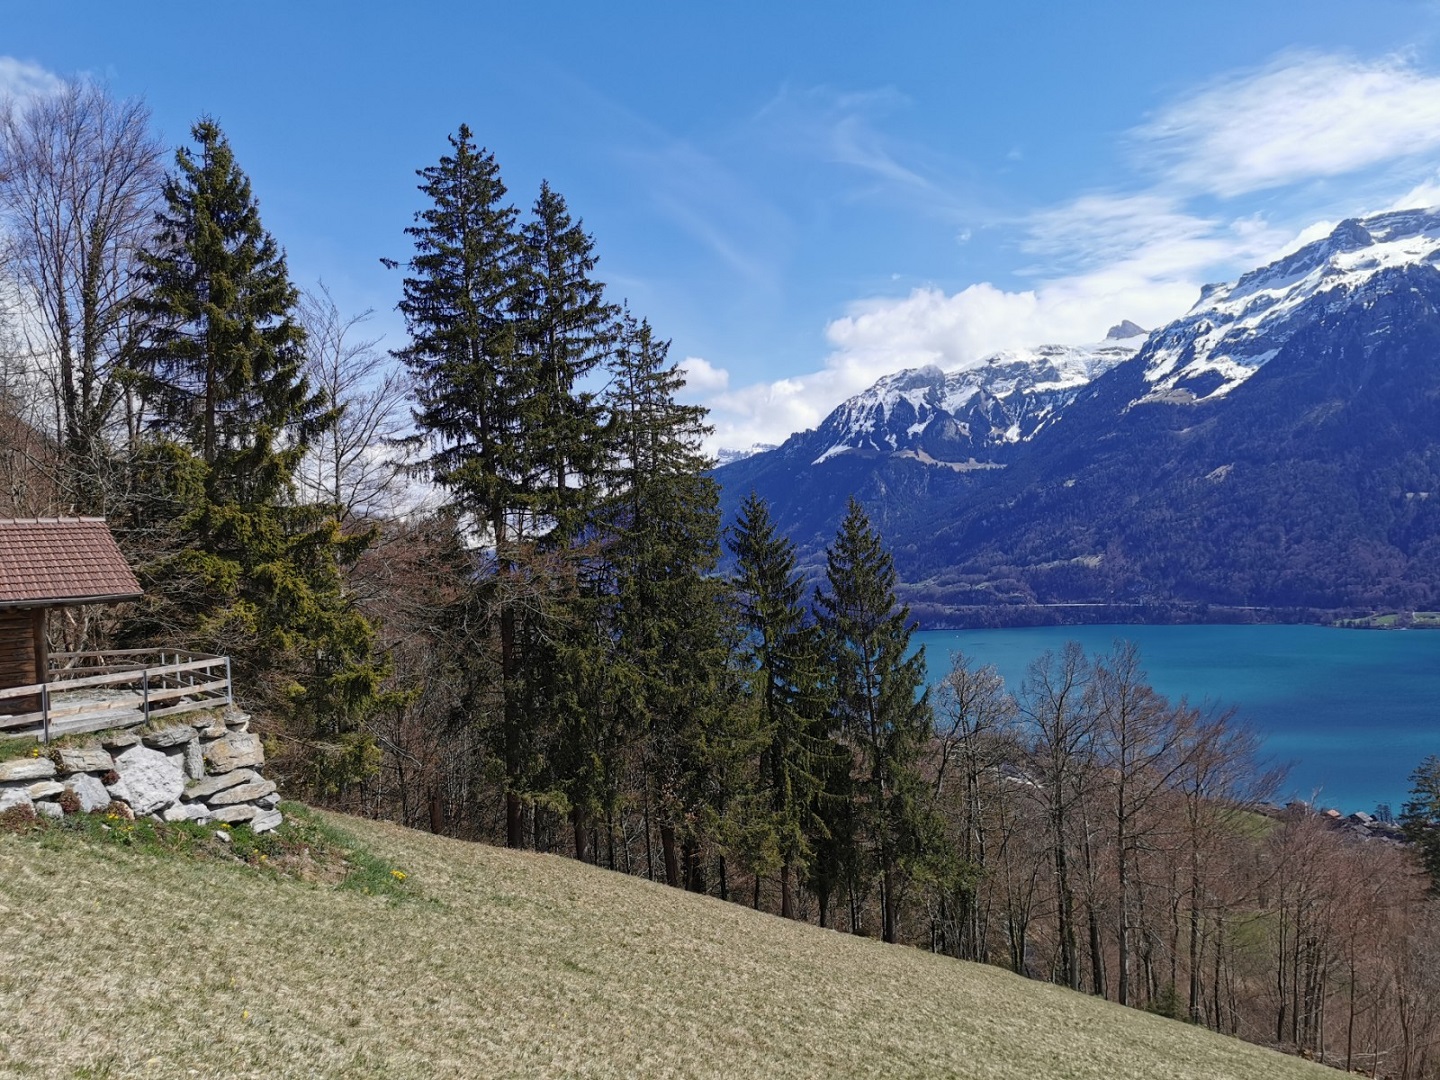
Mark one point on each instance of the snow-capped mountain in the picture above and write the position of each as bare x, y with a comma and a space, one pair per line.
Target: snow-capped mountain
1234, 329
1278, 446
964, 418
728, 455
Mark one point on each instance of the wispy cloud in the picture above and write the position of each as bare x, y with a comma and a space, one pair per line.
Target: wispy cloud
714, 206
1304, 116
856, 131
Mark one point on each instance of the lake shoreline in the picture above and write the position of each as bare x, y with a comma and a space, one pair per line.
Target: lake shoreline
932, 616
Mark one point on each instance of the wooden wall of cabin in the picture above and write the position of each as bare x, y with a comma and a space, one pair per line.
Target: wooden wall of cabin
22, 655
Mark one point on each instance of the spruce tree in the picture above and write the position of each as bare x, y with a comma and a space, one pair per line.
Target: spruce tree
460, 305
661, 522
566, 330
223, 373
782, 657
1420, 817
882, 713
505, 323
461, 299
251, 572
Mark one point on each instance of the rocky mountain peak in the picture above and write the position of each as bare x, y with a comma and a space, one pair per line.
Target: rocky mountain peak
1124, 329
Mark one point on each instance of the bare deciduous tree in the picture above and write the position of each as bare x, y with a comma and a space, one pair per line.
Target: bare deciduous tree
354, 466
80, 176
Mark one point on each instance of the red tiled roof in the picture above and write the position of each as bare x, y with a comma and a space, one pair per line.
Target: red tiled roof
61, 560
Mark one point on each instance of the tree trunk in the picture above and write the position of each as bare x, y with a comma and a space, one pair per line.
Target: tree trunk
671, 855
514, 820
787, 900
581, 828
694, 866
889, 932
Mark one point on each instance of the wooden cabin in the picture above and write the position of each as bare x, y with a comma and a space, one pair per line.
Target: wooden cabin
49, 563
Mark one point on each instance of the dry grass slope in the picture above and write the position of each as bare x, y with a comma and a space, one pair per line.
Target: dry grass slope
511, 965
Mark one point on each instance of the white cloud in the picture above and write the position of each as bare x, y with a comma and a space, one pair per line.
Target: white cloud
703, 377
1139, 254
1107, 258
24, 79
1305, 116
1425, 193
950, 331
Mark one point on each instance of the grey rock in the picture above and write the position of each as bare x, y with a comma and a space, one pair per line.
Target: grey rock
235, 815
211, 784
177, 735
237, 750
256, 789
12, 797
119, 740
240, 725
148, 780
222, 836
187, 812
269, 802
194, 760
90, 791
46, 789
217, 730
27, 768
75, 759
266, 820
49, 809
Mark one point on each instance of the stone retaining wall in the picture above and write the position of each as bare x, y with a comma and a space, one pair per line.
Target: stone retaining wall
205, 769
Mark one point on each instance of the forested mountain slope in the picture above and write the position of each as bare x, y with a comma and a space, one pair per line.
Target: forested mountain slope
123, 963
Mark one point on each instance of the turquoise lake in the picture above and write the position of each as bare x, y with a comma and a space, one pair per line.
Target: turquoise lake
1351, 711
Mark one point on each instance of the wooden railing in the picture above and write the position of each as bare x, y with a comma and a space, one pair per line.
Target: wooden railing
94, 691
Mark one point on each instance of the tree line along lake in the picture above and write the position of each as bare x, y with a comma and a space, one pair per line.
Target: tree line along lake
1352, 712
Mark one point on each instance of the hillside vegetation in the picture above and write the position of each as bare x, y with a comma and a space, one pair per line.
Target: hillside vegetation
120, 962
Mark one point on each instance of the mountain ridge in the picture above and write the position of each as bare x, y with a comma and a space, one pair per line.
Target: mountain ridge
1274, 447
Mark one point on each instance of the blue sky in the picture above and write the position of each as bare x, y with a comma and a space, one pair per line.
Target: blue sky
805, 196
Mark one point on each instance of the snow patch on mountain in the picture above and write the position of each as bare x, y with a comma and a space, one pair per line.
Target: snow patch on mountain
1233, 330
1005, 399
727, 454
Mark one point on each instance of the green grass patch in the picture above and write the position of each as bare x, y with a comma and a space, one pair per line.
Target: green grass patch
1419, 620
305, 846
366, 872
1249, 824
19, 746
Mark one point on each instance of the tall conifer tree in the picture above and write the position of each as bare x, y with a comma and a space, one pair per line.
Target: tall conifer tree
253, 573
788, 681
662, 522
224, 371
567, 329
883, 715
462, 302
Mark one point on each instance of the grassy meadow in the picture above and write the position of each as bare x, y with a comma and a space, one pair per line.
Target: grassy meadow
124, 961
